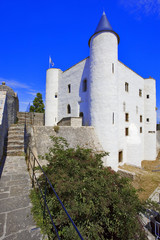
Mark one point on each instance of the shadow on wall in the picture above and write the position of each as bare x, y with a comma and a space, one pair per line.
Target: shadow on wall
158, 141
84, 95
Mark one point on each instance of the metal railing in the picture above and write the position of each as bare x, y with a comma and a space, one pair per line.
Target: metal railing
157, 230
32, 161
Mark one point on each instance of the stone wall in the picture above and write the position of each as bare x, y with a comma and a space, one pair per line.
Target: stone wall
82, 136
3, 121
31, 118
73, 122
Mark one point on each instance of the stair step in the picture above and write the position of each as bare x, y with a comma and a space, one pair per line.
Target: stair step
15, 147
15, 137
20, 127
16, 142
15, 153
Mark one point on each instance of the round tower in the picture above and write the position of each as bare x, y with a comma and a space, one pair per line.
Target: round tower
51, 108
104, 88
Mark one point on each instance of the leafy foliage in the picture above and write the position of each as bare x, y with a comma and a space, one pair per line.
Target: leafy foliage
38, 105
102, 204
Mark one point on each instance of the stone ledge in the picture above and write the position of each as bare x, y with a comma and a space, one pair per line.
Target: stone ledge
125, 173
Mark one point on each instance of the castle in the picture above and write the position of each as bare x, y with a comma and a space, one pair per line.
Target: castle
106, 94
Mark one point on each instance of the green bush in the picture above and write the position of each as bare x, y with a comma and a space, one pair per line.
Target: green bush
102, 204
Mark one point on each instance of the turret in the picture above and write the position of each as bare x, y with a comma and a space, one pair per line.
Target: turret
51, 108
103, 88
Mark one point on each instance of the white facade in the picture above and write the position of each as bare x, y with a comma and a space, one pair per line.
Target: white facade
117, 102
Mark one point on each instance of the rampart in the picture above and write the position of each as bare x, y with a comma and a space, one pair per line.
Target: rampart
75, 136
3, 120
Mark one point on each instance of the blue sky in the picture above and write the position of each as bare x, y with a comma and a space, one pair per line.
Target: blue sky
30, 31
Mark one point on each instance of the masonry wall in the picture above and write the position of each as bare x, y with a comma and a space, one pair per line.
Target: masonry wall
158, 141
81, 136
3, 120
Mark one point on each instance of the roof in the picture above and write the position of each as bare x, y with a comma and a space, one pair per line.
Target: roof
104, 26
9, 90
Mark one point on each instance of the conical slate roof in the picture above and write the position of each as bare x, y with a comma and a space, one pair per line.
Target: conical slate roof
104, 26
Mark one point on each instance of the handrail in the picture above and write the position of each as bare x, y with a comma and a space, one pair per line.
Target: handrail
44, 196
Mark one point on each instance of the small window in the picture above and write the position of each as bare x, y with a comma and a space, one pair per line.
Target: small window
68, 109
112, 67
69, 88
141, 118
127, 131
140, 92
126, 87
113, 118
124, 106
127, 117
84, 85
147, 96
56, 95
147, 120
140, 130
81, 114
120, 157
137, 109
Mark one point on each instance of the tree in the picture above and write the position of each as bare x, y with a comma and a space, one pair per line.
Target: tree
102, 204
38, 105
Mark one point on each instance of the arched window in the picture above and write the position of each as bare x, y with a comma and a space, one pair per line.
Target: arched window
84, 85
69, 88
126, 87
81, 114
68, 109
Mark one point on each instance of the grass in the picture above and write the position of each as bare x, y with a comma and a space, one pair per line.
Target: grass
146, 181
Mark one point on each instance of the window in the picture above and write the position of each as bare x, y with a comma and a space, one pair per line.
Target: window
137, 109
112, 67
120, 157
127, 117
84, 85
81, 114
141, 119
147, 96
126, 87
127, 131
147, 120
69, 88
124, 106
113, 118
140, 130
68, 109
140, 92
56, 95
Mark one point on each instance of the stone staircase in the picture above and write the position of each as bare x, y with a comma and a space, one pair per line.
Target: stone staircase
15, 143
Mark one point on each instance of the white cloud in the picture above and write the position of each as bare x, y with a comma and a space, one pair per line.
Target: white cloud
147, 7
14, 84
32, 93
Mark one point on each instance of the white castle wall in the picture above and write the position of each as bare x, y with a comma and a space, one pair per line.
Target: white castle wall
77, 99
150, 114
106, 102
134, 106
104, 92
51, 110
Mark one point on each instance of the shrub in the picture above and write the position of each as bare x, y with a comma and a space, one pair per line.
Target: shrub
56, 128
102, 204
